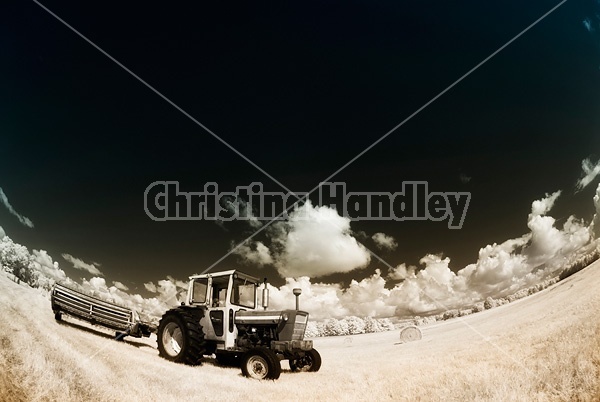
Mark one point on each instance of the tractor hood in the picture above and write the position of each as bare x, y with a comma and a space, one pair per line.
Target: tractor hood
291, 324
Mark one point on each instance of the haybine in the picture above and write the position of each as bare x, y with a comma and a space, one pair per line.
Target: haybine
221, 316
125, 321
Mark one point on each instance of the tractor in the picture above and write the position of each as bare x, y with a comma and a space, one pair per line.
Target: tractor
222, 317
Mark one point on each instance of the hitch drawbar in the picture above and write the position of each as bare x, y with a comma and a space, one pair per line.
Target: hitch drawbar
77, 304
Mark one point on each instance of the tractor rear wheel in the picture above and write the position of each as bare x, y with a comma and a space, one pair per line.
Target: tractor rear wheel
311, 361
261, 364
180, 337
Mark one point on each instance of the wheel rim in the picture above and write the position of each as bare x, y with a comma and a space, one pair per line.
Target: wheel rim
257, 367
172, 339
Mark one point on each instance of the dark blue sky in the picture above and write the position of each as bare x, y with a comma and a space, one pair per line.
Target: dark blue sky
300, 89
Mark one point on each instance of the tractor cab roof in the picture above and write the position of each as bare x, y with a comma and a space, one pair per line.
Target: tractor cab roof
235, 273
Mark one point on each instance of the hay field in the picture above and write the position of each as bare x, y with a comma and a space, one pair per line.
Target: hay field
545, 347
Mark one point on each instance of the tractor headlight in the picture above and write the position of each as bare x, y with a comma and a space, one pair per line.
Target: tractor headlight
284, 317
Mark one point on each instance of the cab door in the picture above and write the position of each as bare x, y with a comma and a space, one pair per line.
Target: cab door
216, 322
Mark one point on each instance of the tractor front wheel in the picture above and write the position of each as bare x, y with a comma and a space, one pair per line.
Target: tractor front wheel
261, 364
311, 361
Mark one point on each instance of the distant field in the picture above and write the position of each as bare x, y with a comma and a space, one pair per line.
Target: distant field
545, 347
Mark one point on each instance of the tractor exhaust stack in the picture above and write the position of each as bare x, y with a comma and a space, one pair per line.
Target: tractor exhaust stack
265, 296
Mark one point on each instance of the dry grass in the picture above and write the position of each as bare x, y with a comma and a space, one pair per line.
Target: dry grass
542, 348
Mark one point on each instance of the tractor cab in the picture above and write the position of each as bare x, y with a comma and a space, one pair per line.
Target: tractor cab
225, 289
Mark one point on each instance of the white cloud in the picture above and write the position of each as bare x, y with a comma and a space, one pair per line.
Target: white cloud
24, 220
595, 225
169, 293
120, 286
178, 283
256, 253
169, 296
590, 171
541, 207
150, 287
576, 235
170, 290
368, 297
80, 264
316, 241
402, 272
501, 269
497, 269
434, 288
383, 241
2, 232
42, 262
319, 299
547, 241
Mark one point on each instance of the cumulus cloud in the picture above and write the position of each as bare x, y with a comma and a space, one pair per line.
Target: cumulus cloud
541, 207
402, 272
500, 270
547, 241
434, 288
590, 171
24, 220
595, 225
169, 295
43, 263
383, 241
2, 232
170, 291
316, 241
120, 286
255, 253
320, 299
178, 283
368, 297
150, 287
80, 264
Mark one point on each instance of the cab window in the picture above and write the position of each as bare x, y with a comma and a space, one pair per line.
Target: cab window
199, 290
243, 293
219, 290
